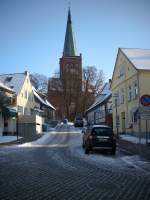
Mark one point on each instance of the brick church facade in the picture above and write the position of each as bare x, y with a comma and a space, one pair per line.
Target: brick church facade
65, 91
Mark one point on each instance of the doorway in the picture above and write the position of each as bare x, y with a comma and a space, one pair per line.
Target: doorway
123, 122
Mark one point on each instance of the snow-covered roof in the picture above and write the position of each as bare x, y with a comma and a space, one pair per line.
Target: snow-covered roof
42, 100
102, 96
6, 87
105, 89
13, 81
49, 104
139, 57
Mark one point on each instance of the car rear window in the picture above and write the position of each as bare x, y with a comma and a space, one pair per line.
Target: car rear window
103, 131
78, 118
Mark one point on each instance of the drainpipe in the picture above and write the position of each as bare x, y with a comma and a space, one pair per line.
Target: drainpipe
17, 128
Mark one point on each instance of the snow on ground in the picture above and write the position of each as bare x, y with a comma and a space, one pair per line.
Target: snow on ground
6, 139
133, 139
41, 141
49, 137
120, 160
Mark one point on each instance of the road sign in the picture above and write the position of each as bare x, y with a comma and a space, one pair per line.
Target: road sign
145, 100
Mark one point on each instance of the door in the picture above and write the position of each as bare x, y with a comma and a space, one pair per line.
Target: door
123, 122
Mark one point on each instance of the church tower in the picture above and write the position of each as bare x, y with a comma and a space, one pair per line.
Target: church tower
71, 62
65, 92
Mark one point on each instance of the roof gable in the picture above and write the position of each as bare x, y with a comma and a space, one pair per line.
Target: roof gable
123, 70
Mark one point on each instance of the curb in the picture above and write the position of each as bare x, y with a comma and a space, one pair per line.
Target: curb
138, 149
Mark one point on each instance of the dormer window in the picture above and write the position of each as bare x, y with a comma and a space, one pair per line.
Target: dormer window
121, 72
129, 93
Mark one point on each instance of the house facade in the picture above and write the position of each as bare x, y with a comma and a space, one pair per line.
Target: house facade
28, 120
100, 112
7, 112
130, 81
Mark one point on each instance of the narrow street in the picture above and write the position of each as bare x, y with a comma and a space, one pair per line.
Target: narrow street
56, 167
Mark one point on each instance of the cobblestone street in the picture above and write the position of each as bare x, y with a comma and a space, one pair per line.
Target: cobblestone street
57, 168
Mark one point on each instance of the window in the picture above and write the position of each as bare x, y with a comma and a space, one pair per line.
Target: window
32, 111
25, 111
30, 96
20, 110
135, 90
121, 71
26, 94
129, 93
122, 96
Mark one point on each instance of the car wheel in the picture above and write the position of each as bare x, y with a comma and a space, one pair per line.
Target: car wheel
113, 151
86, 151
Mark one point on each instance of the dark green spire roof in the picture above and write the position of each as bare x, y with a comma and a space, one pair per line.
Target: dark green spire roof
69, 45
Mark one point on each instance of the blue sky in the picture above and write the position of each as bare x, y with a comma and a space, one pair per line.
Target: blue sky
32, 32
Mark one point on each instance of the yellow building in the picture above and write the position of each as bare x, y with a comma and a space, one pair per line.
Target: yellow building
130, 81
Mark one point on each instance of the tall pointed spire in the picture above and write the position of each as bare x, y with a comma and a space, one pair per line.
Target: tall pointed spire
69, 45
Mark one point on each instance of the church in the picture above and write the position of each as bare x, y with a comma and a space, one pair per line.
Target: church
65, 90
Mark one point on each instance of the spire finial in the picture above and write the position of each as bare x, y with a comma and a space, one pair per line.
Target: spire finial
69, 45
69, 5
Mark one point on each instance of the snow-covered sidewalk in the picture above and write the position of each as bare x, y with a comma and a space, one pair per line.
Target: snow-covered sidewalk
6, 139
133, 139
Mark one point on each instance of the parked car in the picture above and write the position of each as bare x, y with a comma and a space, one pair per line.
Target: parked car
78, 122
65, 121
99, 137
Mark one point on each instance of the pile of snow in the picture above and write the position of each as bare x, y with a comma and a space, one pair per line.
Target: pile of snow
40, 141
6, 139
133, 139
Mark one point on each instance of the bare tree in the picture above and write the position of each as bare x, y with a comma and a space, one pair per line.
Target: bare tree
93, 80
40, 82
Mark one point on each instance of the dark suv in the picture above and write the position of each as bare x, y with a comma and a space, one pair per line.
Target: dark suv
99, 137
78, 122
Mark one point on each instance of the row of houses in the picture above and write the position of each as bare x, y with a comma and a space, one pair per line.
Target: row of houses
124, 102
23, 109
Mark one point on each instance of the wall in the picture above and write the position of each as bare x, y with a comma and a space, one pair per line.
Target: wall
128, 80
30, 125
125, 75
